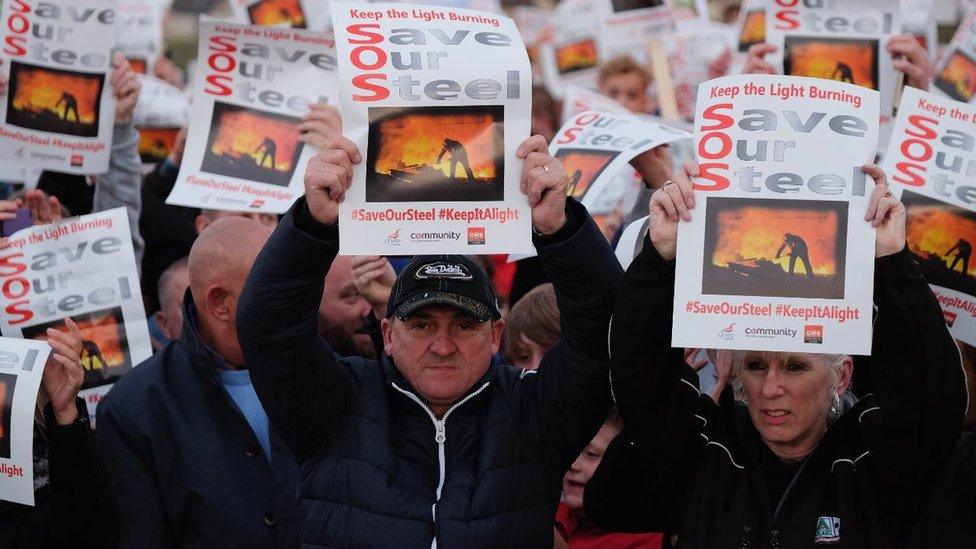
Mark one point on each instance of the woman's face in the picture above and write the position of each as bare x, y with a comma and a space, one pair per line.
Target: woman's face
788, 396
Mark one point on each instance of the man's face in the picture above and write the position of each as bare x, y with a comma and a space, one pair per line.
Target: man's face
628, 89
441, 351
343, 311
574, 481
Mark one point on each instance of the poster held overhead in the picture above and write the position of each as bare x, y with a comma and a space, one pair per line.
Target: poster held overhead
272, 13
438, 133
777, 255
59, 108
929, 165
83, 268
21, 367
955, 74
843, 41
243, 151
161, 111
140, 33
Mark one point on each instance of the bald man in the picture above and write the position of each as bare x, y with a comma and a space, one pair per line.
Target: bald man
186, 447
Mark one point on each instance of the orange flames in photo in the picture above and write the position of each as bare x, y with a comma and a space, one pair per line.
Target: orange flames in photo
277, 12
958, 78
753, 29
138, 65
417, 139
577, 56
847, 60
756, 232
936, 229
582, 168
39, 90
241, 134
156, 143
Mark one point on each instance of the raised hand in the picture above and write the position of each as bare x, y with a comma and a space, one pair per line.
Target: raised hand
886, 213
327, 178
544, 181
672, 202
63, 374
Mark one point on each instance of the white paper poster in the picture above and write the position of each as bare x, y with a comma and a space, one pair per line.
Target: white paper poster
631, 241
917, 19
690, 13
575, 53
955, 74
536, 27
631, 23
777, 255
930, 161
83, 268
595, 146
694, 53
59, 109
438, 133
751, 28
21, 368
843, 41
160, 113
140, 33
243, 151
578, 100
272, 13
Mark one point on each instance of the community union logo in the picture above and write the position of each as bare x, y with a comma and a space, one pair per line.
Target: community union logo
393, 239
728, 332
828, 530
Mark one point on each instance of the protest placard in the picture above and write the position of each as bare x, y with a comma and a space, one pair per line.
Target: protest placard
536, 28
690, 13
631, 23
955, 74
161, 111
842, 41
21, 368
59, 109
751, 27
243, 151
917, 19
777, 255
438, 133
574, 55
930, 164
578, 99
272, 13
631, 241
695, 55
595, 146
140, 32
83, 268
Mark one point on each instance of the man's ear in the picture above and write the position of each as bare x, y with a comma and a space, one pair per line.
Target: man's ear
201, 223
846, 373
163, 322
497, 328
219, 303
386, 326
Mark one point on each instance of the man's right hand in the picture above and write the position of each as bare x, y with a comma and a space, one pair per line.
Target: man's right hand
327, 178
672, 202
756, 64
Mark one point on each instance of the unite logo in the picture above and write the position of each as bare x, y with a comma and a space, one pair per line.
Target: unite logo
813, 333
476, 236
393, 239
728, 332
257, 203
950, 317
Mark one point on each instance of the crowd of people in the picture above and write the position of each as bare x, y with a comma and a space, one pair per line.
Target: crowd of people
297, 397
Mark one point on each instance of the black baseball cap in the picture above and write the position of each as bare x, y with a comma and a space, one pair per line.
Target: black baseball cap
452, 280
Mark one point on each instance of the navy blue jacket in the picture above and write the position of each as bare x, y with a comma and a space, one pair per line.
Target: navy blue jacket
182, 463
378, 469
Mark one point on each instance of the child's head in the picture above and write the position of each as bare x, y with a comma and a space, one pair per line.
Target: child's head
585, 465
625, 81
532, 327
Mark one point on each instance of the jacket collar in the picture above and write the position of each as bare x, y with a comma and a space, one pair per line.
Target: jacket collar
204, 359
473, 399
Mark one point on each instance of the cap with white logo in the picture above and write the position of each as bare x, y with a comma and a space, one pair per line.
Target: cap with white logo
452, 280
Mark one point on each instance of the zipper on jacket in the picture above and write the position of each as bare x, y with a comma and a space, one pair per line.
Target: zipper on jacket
440, 438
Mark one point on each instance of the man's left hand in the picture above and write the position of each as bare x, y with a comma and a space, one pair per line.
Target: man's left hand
886, 213
125, 86
544, 181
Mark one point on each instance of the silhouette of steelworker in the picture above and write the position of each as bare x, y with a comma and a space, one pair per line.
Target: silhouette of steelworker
963, 250
574, 181
459, 155
844, 72
70, 105
798, 250
270, 149
90, 349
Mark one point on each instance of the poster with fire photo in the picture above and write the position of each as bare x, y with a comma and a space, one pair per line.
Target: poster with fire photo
438, 133
272, 13
595, 146
21, 367
842, 41
751, 27
139, 24
81, 268
777, 255
955, 73
160, 113
929, 161
243, 149
59, 109
629, 24
573, 56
